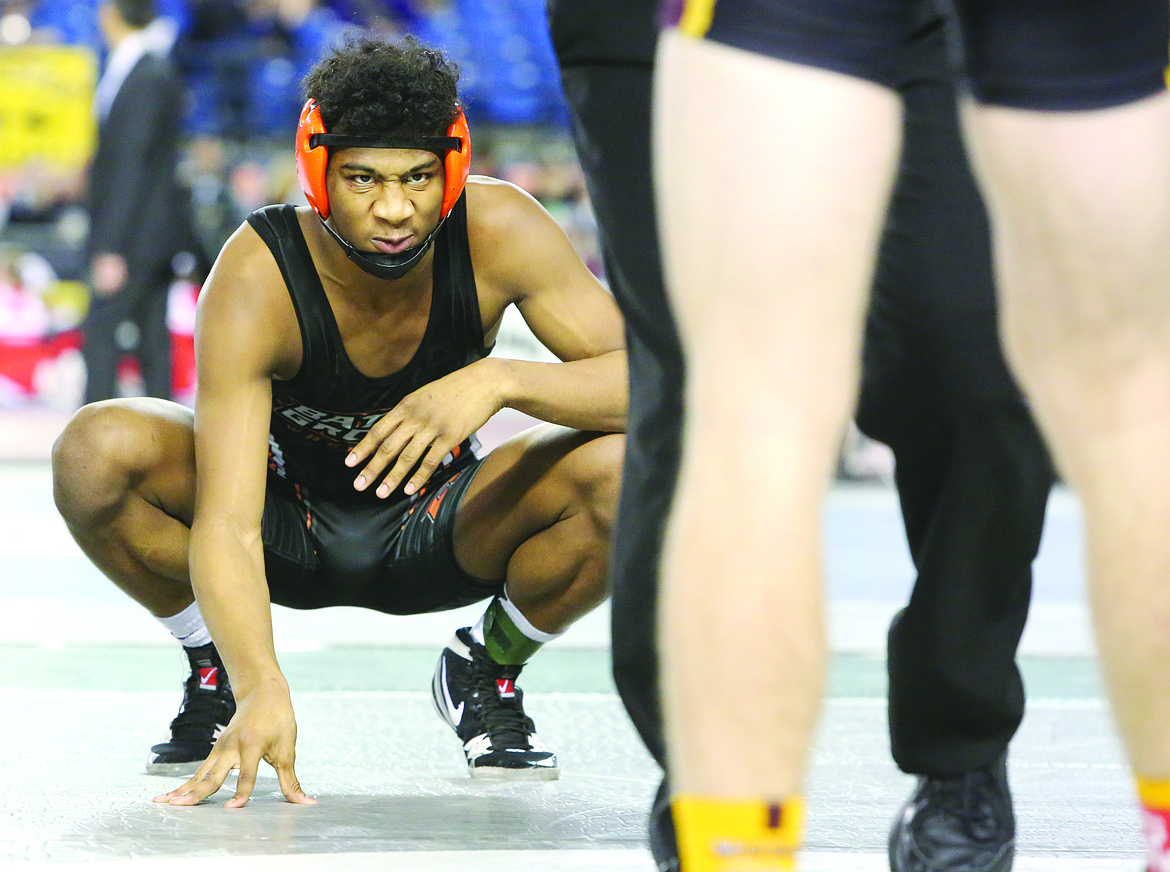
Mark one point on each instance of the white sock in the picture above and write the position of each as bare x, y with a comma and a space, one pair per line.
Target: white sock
188, 627
477, 630
522, 623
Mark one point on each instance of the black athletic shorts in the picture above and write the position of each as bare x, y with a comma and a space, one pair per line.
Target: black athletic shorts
1060, 55
360, 551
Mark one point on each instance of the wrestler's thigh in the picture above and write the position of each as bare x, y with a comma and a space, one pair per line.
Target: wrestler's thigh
525, 486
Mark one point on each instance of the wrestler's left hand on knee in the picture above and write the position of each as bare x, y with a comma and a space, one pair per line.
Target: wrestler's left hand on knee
414, 437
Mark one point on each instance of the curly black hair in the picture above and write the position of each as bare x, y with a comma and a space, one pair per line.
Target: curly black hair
369, 87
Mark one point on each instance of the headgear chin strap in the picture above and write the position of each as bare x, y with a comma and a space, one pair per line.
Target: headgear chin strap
312, 160
385, 265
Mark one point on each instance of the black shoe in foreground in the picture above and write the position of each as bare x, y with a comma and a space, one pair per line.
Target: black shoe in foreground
663, 842
960, 824
480, 700
208, 706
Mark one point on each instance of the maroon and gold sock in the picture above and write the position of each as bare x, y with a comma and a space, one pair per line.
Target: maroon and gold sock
1155, 800
716, 834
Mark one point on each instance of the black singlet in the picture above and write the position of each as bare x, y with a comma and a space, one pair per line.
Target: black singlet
328, 406
1049, 55
325, 543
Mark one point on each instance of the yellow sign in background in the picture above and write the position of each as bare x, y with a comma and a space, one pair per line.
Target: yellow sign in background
46, 107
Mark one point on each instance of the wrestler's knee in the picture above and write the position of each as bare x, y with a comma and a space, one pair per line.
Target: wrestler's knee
1088, 374
596, 472
104, 450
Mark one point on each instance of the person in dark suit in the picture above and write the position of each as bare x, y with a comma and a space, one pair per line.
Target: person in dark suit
140, 214
973, 474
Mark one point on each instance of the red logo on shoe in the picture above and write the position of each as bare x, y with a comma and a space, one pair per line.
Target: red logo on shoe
506, 688
207, 678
